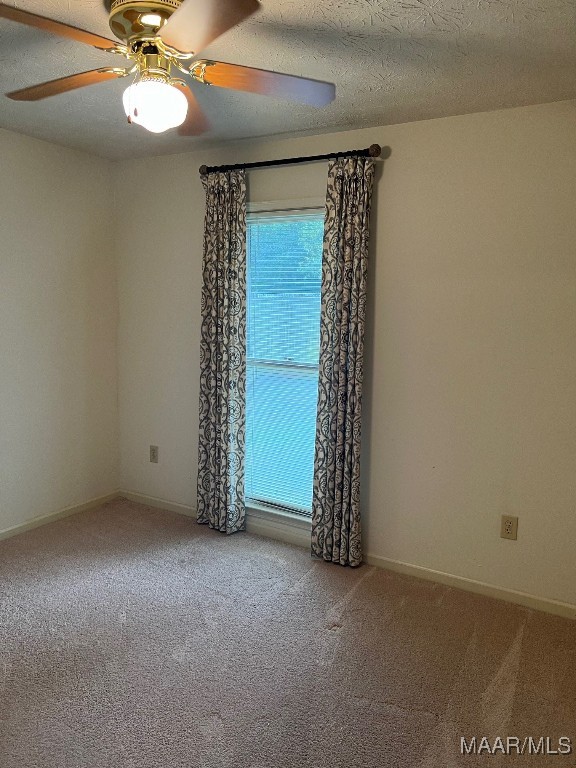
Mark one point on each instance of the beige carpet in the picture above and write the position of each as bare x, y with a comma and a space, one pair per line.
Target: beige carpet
134, 638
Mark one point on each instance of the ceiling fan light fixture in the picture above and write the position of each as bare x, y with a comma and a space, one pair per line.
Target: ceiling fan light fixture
157, 36
155, 104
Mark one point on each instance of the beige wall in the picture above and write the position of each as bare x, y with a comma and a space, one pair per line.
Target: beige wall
470, 407
471, 367
58, 318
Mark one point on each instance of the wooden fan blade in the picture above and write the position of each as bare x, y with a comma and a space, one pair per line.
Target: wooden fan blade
198, 22
300, 89
56, 27
63, 84
196, 121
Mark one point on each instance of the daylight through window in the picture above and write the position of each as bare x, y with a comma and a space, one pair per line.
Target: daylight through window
283, 332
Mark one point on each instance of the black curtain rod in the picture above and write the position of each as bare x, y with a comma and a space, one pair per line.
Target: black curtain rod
372, 151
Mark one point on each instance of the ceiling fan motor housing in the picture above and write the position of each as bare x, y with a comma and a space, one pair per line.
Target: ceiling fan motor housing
132, 20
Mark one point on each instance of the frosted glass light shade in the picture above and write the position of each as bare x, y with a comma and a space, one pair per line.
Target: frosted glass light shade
155, 105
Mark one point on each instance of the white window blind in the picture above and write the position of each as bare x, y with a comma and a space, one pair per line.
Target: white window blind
283, 333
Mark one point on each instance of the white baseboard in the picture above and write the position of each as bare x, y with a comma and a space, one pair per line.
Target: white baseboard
153, 501
295, 531
275, 526
567, 610
51, 516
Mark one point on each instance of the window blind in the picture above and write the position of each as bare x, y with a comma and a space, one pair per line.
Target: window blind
283, 333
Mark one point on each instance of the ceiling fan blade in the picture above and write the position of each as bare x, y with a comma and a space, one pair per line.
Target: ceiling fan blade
197, 23
301, 89
196, 121
63, 84
56, 27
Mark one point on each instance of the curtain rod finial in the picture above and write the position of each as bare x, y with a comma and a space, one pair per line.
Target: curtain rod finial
374, 150
203, 170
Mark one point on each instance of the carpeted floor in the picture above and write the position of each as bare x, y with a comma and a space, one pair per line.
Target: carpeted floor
134, 638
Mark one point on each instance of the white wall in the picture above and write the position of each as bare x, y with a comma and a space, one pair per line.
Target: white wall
470, 407
58, 319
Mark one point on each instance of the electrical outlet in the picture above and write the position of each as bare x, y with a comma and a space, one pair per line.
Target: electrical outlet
509, 527
154, 454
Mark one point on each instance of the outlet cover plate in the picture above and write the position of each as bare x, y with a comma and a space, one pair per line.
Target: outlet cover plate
509, 527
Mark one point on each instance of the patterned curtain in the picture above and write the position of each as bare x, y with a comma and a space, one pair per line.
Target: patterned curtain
223, 354
336, 499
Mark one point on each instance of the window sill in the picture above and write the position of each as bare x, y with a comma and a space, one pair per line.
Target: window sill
264, 512
277, 524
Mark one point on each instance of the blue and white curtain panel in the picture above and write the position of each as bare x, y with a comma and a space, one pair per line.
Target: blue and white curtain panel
336, 529
223, 354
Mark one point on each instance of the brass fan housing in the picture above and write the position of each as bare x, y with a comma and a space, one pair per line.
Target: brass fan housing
133, 20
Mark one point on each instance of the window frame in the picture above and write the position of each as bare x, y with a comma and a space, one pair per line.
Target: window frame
260, 508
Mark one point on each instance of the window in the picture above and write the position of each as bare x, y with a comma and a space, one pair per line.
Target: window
283, 337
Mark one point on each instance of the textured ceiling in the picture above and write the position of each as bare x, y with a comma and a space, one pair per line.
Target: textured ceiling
392, 61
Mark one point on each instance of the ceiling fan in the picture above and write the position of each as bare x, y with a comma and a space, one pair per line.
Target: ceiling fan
158, 36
